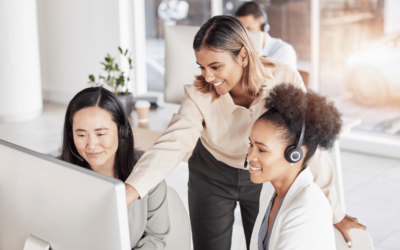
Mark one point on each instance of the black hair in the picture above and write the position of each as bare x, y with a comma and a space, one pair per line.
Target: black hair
289, 106
105, 99
255, 9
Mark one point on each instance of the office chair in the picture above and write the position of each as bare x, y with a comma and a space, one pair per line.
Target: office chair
360, 238
179, 235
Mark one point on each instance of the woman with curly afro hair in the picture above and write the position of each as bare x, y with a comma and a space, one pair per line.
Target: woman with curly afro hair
294, 212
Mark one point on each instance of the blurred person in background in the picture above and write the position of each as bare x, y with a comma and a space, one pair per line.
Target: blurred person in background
171, 11
254, 18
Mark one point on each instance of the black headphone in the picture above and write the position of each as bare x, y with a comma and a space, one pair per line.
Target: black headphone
293, 154
123, 130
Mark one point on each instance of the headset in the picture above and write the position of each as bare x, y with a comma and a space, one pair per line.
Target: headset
123, 131
266, 27
293, 154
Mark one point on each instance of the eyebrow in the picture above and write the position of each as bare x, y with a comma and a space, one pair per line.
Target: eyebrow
209, 64
260, 143
97, 129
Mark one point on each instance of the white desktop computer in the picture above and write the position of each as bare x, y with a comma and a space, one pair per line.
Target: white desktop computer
45, 202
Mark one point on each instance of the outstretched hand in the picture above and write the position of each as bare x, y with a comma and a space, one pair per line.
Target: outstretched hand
131, 194
345, 225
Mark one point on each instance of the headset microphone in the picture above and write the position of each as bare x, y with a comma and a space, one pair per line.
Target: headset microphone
294, 154
246, 162
77, 156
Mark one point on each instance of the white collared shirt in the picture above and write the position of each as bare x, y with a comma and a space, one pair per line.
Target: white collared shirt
279, 50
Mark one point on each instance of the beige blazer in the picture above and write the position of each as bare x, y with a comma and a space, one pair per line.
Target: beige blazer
304, 221
148, 218
224, 129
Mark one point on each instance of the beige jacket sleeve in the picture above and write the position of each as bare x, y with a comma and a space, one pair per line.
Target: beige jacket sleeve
163, 157
324, 176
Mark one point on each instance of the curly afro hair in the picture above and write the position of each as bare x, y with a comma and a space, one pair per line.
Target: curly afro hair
288, 107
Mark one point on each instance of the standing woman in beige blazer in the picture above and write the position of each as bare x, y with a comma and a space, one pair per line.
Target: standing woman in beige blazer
215, 119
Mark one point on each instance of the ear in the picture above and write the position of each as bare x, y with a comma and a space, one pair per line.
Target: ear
243, 57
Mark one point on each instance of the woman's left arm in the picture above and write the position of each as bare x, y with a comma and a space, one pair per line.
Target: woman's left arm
158, 225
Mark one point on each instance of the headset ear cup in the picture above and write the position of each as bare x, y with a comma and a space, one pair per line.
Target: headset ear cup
293, 155
266, 28
124, 132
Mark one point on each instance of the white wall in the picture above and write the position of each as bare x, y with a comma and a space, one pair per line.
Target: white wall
75, 35
392, 16
20, 95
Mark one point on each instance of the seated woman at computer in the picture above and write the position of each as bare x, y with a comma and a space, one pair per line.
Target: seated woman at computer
97, 136
215, 119
294, 212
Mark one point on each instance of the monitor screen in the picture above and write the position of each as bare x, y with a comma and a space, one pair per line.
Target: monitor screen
64, 205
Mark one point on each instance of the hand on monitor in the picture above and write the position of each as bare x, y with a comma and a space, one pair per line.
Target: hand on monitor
131, 194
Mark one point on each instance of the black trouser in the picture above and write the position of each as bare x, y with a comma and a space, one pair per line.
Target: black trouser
214, 189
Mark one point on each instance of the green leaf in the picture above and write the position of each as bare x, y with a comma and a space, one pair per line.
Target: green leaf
107, 59
120, 50
91, 78
127, 79
130, 61
116, 66
126, 51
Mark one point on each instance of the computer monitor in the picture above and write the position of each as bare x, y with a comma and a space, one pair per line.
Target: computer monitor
55, 203
180, 61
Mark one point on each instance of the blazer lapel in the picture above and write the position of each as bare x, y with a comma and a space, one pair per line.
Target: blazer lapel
265, 197
303, 179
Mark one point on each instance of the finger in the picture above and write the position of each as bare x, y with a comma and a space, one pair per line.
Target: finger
355, 219
346, 237
361, 226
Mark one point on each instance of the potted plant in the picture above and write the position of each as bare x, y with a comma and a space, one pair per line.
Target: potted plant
116, 79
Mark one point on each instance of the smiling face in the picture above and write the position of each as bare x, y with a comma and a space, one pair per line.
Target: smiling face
96, 138
266, 154
220, 68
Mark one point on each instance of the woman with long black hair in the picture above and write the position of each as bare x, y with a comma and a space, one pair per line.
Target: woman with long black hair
97, 136
215, 119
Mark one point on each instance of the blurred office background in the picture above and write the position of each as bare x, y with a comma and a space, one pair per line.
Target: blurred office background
350, 48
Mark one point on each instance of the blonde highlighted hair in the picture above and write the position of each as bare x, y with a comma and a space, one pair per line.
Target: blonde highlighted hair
228, 34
